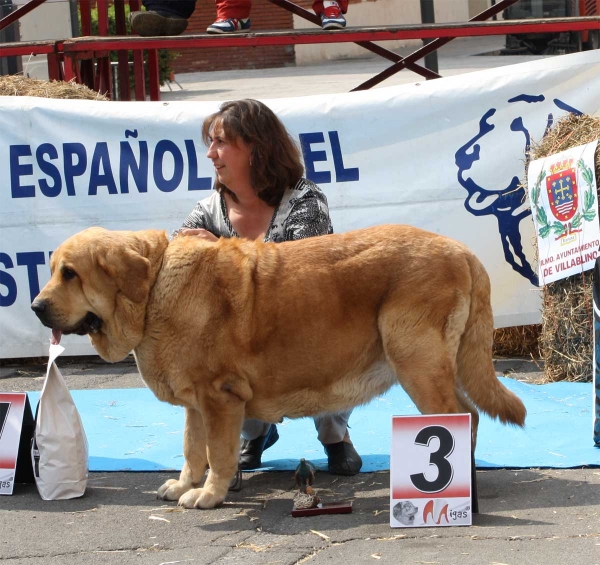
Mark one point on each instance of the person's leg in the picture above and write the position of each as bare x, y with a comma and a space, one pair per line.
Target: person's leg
331, 13
232, 16
256, 437
342, 458
178, 8
162, 17
238, 9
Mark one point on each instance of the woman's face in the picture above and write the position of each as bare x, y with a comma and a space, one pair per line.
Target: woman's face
230, 157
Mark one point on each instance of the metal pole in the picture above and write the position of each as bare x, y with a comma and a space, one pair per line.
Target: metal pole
74, 18
428, 17
10, 34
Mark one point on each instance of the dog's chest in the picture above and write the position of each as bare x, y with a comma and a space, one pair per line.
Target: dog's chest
158, 381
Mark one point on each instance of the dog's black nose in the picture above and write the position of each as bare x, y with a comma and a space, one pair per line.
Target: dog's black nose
38, 306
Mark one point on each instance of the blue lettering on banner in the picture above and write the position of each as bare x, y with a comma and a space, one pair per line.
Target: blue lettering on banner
18, 170
162, 147
7, 281
312, 156
341, 174
48, 168
29, 259
195, 182
101, 157
61, 172
73, 169
139, 171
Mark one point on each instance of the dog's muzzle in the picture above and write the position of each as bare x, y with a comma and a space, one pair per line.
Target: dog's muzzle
89, 324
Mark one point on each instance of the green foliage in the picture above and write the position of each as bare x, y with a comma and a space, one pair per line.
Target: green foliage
558, 228
589, 198
165, 57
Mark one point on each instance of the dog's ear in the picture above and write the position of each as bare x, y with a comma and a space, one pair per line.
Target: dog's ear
130, 271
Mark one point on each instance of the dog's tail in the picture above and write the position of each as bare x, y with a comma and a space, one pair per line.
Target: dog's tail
475, 367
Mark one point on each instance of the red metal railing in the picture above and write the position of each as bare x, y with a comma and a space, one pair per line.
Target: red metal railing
86, 59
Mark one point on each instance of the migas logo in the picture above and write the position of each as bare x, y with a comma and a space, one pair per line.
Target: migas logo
436, 511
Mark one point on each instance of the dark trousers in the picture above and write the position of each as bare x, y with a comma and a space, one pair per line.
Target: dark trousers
181, 8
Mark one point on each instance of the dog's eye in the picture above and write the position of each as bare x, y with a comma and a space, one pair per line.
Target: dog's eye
68, 274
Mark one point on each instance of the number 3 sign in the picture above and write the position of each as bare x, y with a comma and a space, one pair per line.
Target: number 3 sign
430, 477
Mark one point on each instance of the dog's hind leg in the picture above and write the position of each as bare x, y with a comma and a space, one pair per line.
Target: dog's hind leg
194, 451
465, 405
425, 369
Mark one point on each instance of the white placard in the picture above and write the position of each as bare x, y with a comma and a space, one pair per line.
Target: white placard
562, 190
12, 408
430, 474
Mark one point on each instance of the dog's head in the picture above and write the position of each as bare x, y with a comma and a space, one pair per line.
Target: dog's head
100, 283
405, 512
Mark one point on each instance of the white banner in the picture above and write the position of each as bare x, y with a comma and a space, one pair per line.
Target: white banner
562, 192
446, 155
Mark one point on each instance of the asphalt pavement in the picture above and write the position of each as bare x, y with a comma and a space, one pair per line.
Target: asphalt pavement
463, 55
530, 516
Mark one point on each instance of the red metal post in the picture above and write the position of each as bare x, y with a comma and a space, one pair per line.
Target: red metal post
103, 77
54, 68
138, 62
70, 68
122, 56
87, 66
85, 12
153, 75
102, 7
139, 75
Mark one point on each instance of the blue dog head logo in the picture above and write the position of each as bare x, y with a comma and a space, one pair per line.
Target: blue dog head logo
491, 187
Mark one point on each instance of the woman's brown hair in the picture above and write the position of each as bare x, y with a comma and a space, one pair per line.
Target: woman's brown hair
276, 161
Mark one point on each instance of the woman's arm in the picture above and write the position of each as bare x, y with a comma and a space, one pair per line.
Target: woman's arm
308, 216
195, 223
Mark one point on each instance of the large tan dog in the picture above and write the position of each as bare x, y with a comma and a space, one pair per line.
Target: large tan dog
238, 329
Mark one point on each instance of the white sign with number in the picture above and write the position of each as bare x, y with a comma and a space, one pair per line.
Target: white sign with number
12, 408
430, 474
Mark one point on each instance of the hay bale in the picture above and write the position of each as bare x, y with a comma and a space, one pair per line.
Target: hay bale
518, 341
566, 340
18, 85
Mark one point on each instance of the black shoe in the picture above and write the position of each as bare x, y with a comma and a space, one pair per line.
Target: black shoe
252, 449
236, 483
150, 23
342, 459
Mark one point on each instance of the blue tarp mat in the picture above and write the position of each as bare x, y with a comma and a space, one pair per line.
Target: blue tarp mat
130, 430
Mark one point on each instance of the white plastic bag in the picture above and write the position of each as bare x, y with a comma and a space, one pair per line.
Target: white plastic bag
59, 451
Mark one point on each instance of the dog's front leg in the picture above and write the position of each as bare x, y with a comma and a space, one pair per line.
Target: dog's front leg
213, 438
194, 451
223, 428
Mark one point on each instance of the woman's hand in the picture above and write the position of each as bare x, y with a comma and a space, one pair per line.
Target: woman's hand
197, 232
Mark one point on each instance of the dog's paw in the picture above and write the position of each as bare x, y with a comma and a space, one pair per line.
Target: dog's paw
200, 498
172, 490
